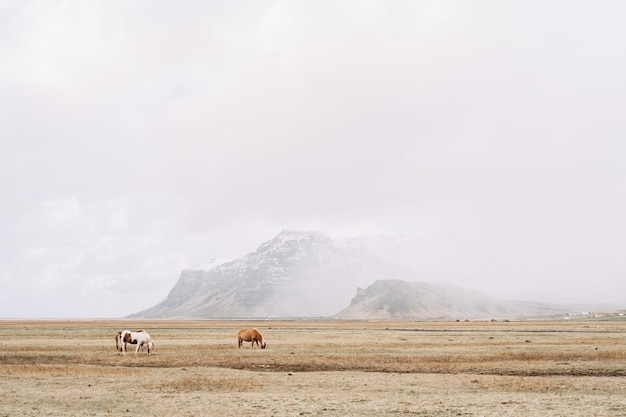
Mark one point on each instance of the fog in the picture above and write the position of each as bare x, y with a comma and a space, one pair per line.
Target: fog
141, 138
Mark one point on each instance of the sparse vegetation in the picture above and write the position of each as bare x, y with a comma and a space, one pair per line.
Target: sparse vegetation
315, 368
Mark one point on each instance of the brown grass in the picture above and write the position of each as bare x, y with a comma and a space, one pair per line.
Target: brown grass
206, 383
315, 368
315, 346
42, 371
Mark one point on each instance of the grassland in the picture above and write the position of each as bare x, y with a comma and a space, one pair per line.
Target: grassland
315, 368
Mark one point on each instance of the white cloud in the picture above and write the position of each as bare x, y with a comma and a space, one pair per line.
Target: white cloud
91, 251
141, 138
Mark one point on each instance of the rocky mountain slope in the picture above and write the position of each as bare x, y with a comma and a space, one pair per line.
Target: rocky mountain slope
296, 274
307, 274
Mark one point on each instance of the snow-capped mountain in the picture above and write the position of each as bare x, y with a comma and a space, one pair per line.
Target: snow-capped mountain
296, 274
307, 274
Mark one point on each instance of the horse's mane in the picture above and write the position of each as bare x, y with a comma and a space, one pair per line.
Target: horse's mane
259, 333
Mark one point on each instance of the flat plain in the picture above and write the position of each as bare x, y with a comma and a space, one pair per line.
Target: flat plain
315, 368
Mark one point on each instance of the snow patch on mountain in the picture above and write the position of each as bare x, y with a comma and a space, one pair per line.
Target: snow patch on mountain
210, 265
296, 274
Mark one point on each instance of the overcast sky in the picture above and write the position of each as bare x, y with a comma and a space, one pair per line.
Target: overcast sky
139, 138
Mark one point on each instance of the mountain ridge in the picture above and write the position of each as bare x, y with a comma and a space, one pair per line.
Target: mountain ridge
308, 274
295, 274
395, 299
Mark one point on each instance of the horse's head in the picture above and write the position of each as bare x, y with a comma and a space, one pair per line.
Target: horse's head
150, 347
263, 345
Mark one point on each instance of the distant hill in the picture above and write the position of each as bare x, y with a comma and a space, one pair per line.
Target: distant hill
397, 299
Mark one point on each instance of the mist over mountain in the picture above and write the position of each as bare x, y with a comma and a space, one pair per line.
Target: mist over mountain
296, 274
308, 274
395, 299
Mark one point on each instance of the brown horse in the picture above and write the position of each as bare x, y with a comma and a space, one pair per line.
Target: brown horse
251, 335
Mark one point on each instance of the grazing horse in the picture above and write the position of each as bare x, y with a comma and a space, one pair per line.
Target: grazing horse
139, 338
251, 335
119, 342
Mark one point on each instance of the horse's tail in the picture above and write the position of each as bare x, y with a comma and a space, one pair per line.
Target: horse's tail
118, 336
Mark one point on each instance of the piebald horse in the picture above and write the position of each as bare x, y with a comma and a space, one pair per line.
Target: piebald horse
119, 341
251, 335
120, 344
139, 338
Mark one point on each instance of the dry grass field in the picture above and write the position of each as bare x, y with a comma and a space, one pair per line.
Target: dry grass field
315, 368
